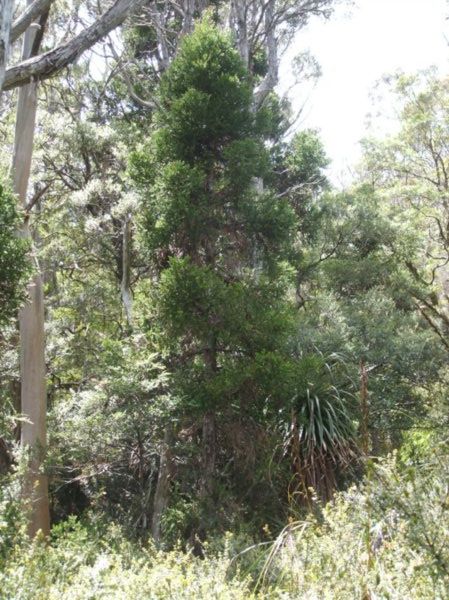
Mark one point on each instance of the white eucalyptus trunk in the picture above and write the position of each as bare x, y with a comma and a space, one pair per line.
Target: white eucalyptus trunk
239, 24
31, 321
191, 9
31, 14
164, 54
6, 7
271, 79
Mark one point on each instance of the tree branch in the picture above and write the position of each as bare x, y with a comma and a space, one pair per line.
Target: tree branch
30, 14
6, 8
48, 64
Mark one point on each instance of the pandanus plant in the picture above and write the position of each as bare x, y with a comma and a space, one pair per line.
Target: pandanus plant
320, 439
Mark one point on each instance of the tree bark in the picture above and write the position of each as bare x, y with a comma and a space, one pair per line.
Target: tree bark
34, 405
162, 494
5, 33
30, 14
239, 24
48, 64
189, 13
15, 394
164, 54
209, 450
5, 458
208, 457
270, 80
31, 318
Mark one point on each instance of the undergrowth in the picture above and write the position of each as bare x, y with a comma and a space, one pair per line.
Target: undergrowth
387, 538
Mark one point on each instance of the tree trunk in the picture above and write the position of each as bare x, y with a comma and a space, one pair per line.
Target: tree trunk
15, 394
34, 405
31, 318
30, 14
5, 31
209, 450
161, 34
188, 18
208, 456
5, 458
239, 24
270, 80
161, 496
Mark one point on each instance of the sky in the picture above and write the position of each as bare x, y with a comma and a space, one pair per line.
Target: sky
355, 48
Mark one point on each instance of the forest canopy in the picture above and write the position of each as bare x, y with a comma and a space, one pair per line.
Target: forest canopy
220, 376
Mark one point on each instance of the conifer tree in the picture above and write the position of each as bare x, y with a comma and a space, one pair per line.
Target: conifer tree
219, 245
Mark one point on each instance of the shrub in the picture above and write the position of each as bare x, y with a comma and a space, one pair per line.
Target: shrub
13, 257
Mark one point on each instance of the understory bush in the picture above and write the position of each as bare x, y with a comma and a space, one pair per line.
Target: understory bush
387, 538
81, 563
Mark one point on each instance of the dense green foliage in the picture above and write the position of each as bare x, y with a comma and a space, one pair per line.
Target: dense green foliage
218, 245
246, 369
13, 257
387, 537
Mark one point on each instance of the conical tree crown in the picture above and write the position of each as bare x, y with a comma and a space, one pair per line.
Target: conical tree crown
205, 97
